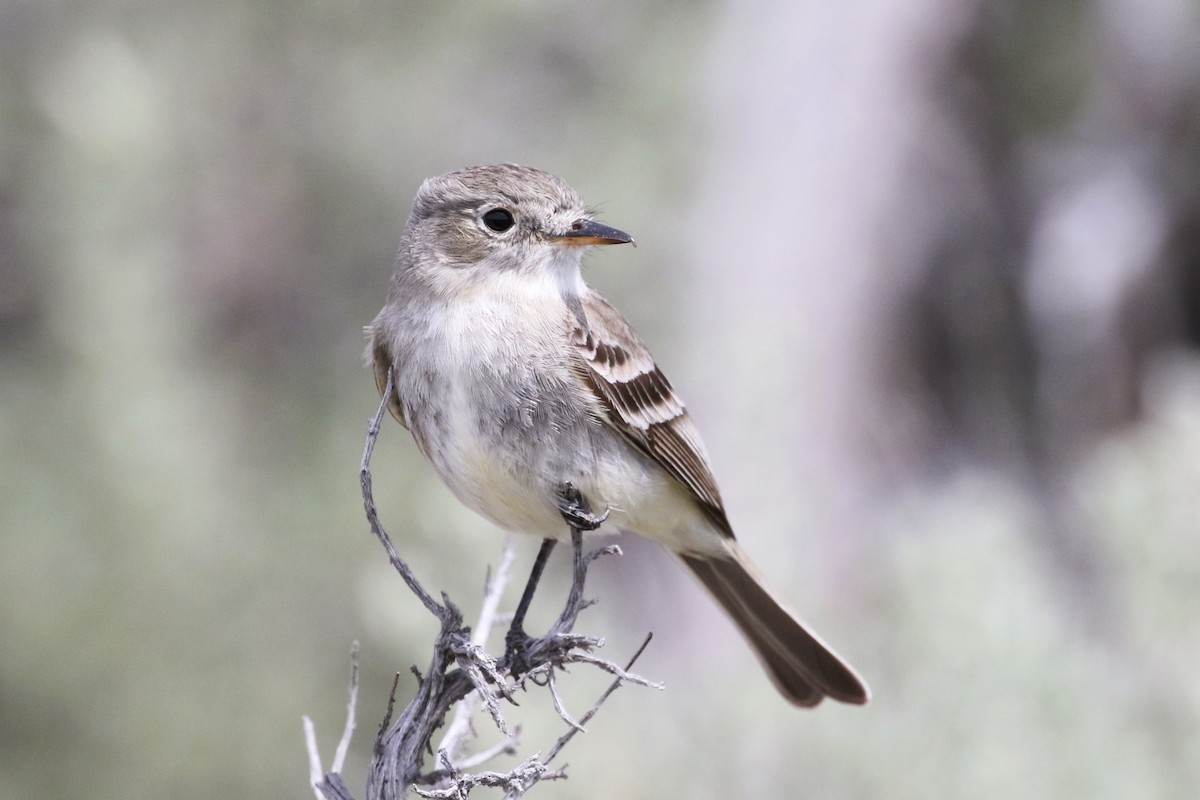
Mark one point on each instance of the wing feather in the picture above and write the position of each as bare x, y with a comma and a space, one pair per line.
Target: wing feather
639, 401
381, 360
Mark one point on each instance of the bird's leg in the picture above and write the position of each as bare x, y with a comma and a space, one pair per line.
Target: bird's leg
516, 641
539, 564
577, 512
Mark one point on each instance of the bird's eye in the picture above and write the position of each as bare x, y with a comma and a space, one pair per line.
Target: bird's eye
499, 220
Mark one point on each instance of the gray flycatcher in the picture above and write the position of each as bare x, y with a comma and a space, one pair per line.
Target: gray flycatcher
517, 380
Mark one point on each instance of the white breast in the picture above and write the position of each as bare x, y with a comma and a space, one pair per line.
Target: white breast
504, 422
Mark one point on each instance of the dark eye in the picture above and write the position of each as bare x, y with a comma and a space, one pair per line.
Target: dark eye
499, 220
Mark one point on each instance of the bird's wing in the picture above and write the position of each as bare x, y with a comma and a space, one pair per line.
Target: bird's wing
638, 401
381, 360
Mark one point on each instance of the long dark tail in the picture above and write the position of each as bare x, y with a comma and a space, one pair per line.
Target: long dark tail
803, 667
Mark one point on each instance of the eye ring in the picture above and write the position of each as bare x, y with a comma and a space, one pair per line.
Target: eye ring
498, 220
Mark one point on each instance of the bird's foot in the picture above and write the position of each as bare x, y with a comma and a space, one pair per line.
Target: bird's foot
516, 651
575, 509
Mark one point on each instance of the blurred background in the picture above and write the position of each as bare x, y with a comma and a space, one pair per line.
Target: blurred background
927, 272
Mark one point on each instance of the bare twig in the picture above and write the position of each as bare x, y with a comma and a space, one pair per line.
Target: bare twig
391, 707
455, 738
364, 477
316, 773
339, 756
612, 687
528, 772
558, 703
322, 786
507, 747
488, 612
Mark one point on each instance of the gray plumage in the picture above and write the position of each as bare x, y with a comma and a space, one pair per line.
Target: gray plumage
514, 378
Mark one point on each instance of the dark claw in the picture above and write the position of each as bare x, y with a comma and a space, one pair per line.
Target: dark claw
575, 509
516, 651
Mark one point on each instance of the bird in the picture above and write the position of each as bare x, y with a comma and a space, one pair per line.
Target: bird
534, 399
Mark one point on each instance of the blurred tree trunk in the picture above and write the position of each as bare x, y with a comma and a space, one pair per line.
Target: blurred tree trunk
953, 235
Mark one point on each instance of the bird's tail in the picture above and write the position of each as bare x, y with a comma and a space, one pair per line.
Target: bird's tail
803, 668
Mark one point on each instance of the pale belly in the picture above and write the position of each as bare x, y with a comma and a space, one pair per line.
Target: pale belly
505, 432
510, 474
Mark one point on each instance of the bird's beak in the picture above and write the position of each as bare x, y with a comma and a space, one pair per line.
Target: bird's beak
586, 232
